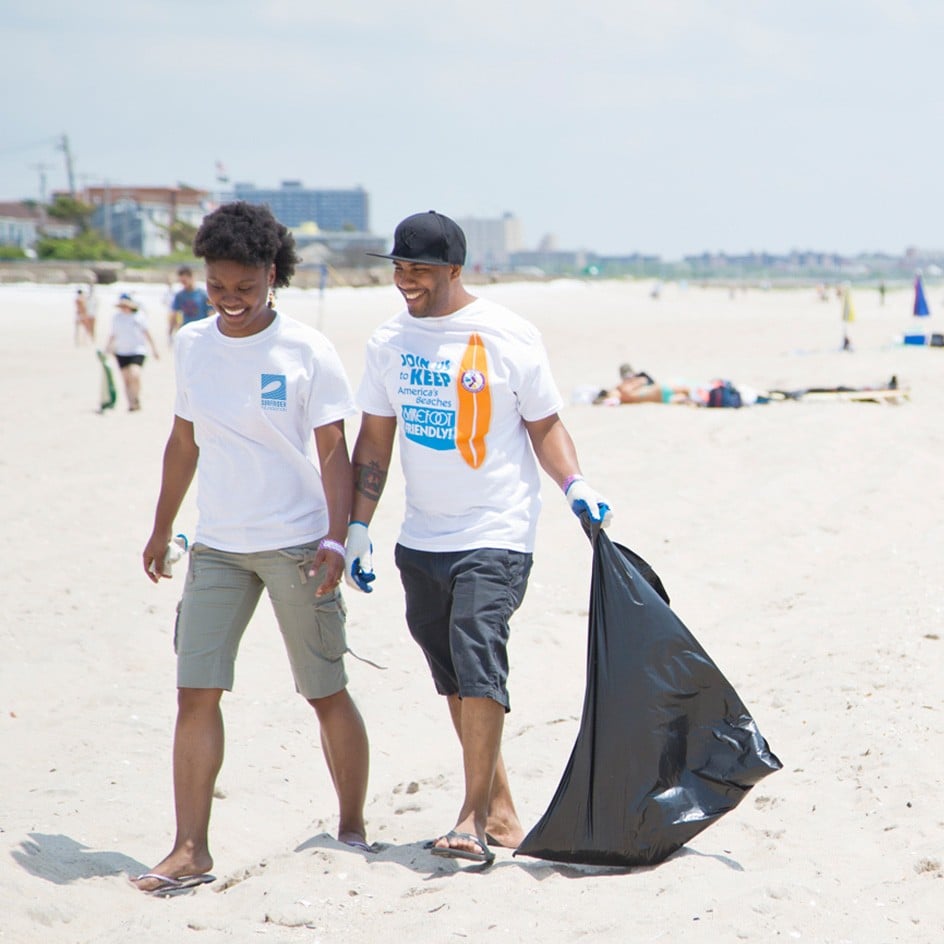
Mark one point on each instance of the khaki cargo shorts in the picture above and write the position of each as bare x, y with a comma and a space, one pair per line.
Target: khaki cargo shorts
220, 595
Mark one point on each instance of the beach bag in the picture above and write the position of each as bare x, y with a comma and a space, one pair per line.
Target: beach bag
108, 396
724, 393
665, 746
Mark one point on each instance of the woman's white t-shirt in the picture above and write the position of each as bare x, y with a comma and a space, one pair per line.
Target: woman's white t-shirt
460, 387
254, 403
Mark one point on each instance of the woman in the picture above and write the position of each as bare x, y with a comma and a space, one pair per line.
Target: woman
260, 399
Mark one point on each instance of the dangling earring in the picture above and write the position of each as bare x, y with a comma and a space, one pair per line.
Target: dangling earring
270, 301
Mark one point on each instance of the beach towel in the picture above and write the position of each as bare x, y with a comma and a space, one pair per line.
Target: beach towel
665, 746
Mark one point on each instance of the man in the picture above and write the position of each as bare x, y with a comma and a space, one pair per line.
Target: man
189, 304
466, 388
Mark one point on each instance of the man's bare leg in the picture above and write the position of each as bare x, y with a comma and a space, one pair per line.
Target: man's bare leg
347, 753
480, 728
502, 826
198, 756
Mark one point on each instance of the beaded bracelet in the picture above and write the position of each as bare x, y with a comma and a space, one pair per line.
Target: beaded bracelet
331, 546
570, 481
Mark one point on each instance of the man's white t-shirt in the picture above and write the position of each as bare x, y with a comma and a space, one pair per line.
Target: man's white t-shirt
254, 403
460, 387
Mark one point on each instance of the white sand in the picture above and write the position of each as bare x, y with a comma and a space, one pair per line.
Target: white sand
800, 542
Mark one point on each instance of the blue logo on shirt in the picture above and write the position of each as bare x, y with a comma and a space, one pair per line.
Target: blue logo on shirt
433, 428
274, 392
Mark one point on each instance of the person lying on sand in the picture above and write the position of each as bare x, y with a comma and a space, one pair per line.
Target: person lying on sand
639, 387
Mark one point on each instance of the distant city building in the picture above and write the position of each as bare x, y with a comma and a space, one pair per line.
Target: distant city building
19, 225
332, 228
551, 262
490, 242
635, 263
140, 219
341, 249
294, 205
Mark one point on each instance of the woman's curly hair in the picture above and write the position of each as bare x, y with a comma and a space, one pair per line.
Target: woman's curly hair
249, 234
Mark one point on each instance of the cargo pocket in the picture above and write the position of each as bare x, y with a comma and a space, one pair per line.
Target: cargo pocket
330, 619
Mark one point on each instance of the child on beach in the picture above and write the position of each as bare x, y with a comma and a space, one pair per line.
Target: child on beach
84, 318
129, 342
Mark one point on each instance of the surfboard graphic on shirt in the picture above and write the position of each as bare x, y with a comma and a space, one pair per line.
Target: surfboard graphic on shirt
474, 402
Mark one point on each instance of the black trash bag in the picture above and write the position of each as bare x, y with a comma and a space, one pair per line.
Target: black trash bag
665, 746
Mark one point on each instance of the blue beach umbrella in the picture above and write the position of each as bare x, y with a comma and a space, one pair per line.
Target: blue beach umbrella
920, 303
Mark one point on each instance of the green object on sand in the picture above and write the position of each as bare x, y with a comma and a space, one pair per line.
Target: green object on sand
108, 395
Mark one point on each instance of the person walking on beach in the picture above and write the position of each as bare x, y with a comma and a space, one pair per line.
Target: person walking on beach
465, 388
129, 342
84, 317
261, 398
189, 304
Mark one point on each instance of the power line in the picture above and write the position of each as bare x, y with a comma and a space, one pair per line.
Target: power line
17, 148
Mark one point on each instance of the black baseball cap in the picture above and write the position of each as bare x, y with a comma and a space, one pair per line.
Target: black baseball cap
430, 238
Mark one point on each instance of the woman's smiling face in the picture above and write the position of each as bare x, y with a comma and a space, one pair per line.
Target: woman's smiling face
239, 294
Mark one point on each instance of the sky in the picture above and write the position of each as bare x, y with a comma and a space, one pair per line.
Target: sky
666, 127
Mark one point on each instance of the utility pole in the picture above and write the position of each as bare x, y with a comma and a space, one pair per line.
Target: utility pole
106, 204
173, 217
64, 147
42, 168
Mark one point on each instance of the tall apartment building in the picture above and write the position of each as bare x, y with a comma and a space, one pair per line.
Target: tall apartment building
490, 242
294, 205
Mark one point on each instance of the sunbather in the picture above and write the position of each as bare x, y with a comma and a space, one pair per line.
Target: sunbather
639, 387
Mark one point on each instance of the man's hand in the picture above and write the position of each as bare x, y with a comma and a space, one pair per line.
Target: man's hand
584, 500
358, 565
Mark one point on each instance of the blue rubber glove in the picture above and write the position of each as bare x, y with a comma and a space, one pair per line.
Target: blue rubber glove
584, 500
358, 566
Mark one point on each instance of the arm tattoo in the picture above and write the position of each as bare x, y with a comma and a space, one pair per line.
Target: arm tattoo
369, 480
